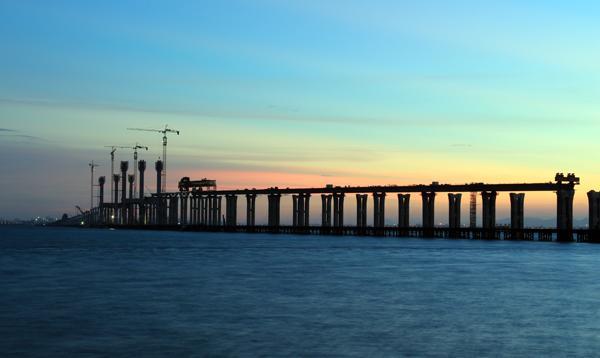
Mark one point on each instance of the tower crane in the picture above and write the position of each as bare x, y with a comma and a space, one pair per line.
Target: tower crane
112, 167
164, 156
135, 159
135, 165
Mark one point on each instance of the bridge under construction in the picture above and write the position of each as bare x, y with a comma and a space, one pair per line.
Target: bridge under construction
198, 206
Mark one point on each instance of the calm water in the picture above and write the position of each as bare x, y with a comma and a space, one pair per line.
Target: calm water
132, 293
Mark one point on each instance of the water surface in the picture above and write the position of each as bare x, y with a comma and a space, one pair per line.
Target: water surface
141, 293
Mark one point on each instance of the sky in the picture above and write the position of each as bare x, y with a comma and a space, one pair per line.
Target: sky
299, 93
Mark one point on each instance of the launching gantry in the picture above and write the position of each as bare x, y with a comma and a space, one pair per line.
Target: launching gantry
185, 184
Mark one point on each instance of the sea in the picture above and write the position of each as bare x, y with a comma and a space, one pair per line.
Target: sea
68, 292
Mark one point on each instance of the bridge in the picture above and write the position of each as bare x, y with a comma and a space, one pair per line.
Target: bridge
199, 206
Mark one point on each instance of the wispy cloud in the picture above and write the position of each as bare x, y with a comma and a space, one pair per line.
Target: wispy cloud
7, 130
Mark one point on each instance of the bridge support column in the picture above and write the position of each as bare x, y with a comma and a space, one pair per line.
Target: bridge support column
203, 201
454, 201
517, 218
564, 213
403, 210
301, 209
338, 209
217, 214
489, 209
378, 210
231, 210
173, 209
361, 210
274, 209
428, 212
250, 209
488, 216
124, 168
195, 209
183, 207
294, 210
210, 201
594, 210
326, 210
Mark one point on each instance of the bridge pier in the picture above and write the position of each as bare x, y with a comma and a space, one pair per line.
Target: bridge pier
274, 209
594, 210
564, 213
403, 210
361, 210
183, 207
195, 209
203, 209
301, 209
142, 207
489, 209
173, 209
378, 210
250, 209
124, 167
517, 215
326, 210
338, 210
454, 201
428, 212
231, 210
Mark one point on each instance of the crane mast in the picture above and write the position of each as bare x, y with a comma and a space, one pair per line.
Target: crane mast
164, 156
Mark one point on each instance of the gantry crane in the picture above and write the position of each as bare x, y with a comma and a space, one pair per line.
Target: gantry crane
164, 156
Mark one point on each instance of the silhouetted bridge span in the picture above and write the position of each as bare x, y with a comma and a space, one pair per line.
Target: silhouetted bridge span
195, 209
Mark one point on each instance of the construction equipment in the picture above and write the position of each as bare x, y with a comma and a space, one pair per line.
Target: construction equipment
112, 166
185, 184
92, 167
164, 156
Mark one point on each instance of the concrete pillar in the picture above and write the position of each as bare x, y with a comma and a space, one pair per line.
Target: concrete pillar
101, 182
594, 210
294, 210
489, 209
142, 207
517, 206
428, 209
306, 209
130, 206
217, 210
301, 209
454, 201
274, 209
183, 207
210, 210
361, 210
231, 207
564, 213
124, 168
378, 209
338, 209
130, 180
159, 168
403, 210
170, 209
326, 210
250, 209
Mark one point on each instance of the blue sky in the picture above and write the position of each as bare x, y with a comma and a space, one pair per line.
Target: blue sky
299, 93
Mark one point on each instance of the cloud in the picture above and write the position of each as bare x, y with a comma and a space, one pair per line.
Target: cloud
7, 130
